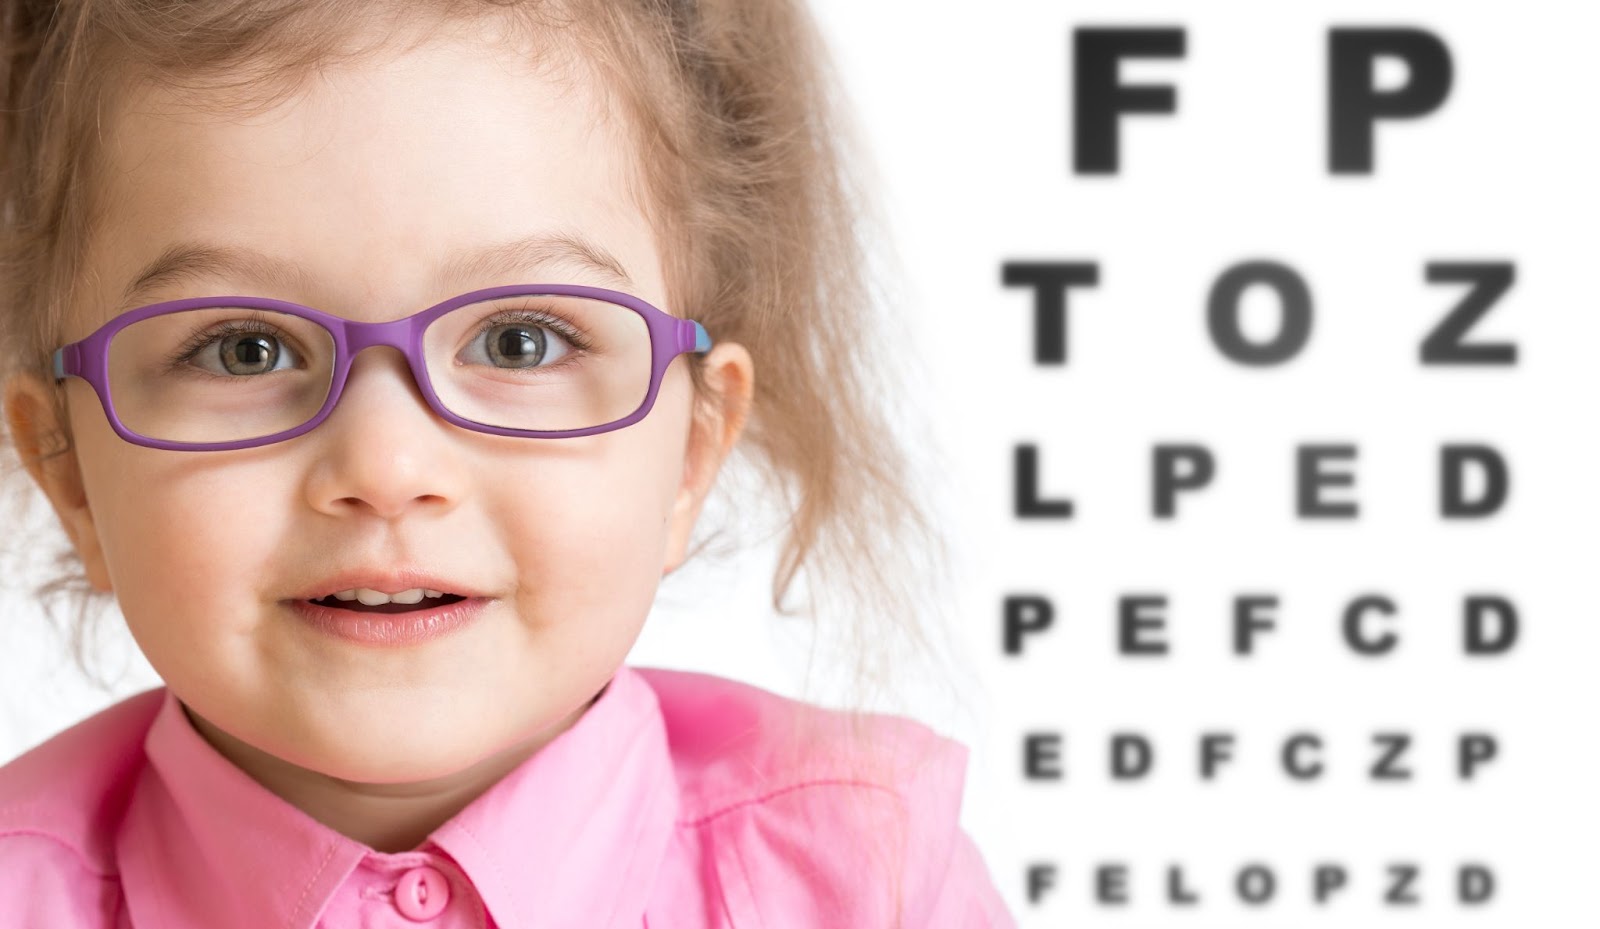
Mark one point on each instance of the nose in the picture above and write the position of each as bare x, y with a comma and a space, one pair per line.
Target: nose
383, 450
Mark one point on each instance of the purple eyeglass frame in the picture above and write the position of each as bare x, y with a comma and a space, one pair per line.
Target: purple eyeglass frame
88, 357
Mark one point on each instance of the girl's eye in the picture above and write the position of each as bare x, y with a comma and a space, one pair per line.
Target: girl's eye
245, 354
516, 345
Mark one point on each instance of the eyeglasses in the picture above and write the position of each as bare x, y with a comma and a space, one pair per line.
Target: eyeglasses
540, 361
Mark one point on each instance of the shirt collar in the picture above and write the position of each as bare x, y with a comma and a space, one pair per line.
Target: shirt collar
585, 819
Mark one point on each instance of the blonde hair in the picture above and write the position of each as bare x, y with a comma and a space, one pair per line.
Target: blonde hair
743, 155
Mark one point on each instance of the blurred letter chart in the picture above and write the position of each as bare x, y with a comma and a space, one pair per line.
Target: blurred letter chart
1174, 787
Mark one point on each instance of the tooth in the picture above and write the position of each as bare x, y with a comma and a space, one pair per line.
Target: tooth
370, 597
414, 595
433, 593
346, 595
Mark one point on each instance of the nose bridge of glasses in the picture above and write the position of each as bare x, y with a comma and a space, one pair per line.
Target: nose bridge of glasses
397, 333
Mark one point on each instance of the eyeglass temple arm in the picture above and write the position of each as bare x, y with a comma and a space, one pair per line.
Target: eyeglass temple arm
59, 362
702, 340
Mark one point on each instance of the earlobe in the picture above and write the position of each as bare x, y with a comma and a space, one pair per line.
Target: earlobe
713, 432
41, 443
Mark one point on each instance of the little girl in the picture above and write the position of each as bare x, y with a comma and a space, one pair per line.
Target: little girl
391, 592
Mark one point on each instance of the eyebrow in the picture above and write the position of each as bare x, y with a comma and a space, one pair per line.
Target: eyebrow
194, 261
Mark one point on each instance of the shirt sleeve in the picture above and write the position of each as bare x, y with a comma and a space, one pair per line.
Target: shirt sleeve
949, 884
967, 896
44, 883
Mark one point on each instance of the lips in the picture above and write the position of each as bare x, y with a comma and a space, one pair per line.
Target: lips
411, 628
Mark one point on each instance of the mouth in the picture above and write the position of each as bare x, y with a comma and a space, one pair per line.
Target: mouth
367, 601
372, 618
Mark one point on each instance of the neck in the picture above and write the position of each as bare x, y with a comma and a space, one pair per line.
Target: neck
387, 818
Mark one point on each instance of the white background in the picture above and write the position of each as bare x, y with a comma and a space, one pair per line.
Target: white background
969, 114
966, 111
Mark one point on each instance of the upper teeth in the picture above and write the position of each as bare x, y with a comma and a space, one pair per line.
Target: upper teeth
370, 597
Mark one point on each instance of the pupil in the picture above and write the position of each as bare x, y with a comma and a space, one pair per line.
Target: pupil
521, 346
255, 353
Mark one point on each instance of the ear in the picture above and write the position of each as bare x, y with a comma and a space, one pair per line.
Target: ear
714, 428
42, 443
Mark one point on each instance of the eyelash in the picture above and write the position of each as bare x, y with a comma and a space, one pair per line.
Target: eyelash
207, 335
548, 320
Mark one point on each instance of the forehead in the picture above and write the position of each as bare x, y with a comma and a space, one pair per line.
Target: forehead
379, 177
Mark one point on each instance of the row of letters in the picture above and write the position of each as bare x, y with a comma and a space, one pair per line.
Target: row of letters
1445, 344
1474, 481
1256, 884
1490, 624
1131, 756
1356, 102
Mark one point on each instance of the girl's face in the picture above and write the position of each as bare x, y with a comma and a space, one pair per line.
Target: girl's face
363, 185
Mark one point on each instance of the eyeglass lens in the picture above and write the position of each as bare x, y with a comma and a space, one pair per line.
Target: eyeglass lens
536, 362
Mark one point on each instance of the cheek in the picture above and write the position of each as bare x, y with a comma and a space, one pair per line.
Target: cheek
592, 532
223, 526
187, 548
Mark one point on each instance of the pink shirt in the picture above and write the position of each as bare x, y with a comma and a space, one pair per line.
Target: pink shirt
672, 802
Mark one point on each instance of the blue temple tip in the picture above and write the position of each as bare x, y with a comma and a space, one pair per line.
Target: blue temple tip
702, 339
57, 363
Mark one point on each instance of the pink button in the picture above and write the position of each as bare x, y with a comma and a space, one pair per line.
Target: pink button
422, 894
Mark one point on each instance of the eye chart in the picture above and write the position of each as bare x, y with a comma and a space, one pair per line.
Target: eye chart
1262, 336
